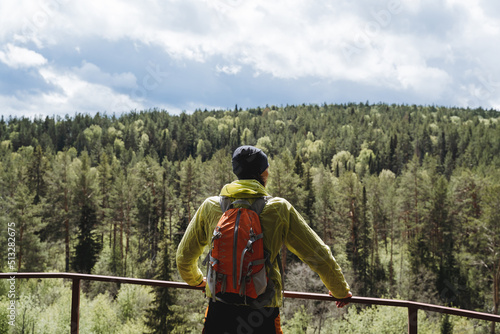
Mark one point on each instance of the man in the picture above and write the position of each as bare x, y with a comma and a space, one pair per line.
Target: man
281, 223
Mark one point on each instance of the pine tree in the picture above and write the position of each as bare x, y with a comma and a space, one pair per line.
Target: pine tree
36, 174
365, 248
323, 205
392, 163
22, 210
487, 238
442, 238
88, 246
350, 205
123, 201
446, 325
283, 181
161, 317
189, 186
413, 192
59, 202
310, 197
299, 168
117, 206
149, 207
387, 180
105, 179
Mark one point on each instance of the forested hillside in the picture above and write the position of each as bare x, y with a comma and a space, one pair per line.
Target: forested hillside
407, 197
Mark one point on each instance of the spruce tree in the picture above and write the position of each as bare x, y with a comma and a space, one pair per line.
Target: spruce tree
88, 246
299, 167
161, 317
149, 207
310, 197
365, 247
36, 174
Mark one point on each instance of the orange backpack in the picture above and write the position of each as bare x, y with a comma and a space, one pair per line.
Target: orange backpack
237, 260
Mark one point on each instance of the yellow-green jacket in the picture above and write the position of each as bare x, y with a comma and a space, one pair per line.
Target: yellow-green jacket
281, 223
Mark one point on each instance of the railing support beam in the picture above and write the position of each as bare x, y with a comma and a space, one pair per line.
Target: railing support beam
412, 307
75, 306
412, 320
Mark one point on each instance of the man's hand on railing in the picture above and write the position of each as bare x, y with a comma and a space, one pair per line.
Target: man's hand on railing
202, 284
343, 301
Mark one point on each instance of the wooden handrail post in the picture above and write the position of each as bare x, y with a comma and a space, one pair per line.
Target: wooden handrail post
75, 306
412, 319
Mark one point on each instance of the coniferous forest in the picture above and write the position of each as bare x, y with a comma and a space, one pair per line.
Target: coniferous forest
406, 196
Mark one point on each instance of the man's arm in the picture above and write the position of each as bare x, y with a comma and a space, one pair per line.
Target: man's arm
309, 247
192, 245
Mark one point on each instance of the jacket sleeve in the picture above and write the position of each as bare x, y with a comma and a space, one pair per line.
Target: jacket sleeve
309, 247
192, 245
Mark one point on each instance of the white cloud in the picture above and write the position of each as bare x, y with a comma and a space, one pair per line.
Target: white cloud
91, 73
228, 69
17, 57
72, 93
480, 86
422, 47
425, 80
83, 96
189, 107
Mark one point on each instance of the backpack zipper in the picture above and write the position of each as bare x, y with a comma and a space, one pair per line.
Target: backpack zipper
235, 241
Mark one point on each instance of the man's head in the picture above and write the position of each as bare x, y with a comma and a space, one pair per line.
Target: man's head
249, 163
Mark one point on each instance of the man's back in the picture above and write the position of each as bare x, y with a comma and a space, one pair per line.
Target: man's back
281, 223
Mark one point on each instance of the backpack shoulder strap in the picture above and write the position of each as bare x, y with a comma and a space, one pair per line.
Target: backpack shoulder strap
225, 203
259, 204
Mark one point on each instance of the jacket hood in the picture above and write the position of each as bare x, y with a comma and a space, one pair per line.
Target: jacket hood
244, 189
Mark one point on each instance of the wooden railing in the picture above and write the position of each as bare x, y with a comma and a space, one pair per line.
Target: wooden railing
412, 307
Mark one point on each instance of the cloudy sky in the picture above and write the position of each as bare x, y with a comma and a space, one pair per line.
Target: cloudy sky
60, 57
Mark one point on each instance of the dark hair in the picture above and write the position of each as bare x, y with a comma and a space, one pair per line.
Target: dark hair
261, 181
